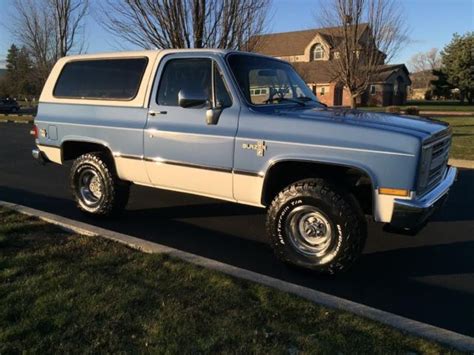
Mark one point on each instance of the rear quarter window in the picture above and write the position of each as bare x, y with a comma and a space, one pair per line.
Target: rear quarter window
101, 79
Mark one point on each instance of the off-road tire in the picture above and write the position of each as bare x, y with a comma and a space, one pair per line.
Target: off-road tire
344, 215
115, 192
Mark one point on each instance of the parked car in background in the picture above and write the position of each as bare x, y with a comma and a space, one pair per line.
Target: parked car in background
244, 128
9, 105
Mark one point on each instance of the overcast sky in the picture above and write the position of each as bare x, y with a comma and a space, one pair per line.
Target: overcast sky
432, 24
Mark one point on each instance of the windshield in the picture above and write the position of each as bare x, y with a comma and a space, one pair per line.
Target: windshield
266, 81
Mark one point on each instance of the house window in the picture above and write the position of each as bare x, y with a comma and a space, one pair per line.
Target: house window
318, 52
323, 90
372, 89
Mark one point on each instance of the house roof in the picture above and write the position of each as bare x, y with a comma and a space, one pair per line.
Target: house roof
321, 71
387, 70
315, 72
422, 79
294, 43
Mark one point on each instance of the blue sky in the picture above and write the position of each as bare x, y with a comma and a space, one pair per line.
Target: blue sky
431, 23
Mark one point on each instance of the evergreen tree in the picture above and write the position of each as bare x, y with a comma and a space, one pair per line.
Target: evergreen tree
441, 86
19, 80
458, 64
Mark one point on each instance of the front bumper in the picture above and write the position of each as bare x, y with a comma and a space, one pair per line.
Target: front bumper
39, 156
410, 214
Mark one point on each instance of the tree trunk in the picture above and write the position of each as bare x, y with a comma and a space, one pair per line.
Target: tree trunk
353, 102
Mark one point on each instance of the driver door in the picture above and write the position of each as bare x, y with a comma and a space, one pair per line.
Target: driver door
182, 151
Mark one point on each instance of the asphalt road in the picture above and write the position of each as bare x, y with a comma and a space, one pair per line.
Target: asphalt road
428, 277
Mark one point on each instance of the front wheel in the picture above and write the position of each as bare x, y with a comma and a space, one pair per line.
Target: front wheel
315, 225
96, 187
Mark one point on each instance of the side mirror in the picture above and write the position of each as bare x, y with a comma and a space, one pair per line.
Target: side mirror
188, 100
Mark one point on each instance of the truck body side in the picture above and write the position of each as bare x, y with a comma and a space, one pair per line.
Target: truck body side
241, 159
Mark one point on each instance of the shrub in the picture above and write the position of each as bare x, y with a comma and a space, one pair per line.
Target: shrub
392, 109
412, 110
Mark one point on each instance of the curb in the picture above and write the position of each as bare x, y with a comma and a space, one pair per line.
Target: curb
439, 335
462, 163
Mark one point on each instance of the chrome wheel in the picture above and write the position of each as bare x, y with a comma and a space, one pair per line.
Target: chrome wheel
309, 231
90, 187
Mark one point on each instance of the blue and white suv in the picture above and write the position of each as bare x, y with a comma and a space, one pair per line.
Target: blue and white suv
243, 128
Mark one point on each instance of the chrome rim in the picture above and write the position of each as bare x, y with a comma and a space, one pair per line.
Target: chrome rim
90, 187
309, 231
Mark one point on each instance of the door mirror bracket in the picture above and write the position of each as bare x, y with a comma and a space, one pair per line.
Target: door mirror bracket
212, 115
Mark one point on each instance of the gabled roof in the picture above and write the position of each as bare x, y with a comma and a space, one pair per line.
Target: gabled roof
387, 70
315, 72
320, 72
294, 43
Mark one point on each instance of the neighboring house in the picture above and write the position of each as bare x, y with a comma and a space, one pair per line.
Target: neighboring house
312, 55
421, 87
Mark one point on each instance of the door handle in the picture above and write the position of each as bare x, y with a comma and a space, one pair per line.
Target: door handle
154, 113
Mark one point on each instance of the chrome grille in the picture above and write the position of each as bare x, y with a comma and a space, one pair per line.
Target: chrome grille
433, 164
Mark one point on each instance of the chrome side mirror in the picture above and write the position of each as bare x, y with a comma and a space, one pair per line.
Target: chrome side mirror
189, 100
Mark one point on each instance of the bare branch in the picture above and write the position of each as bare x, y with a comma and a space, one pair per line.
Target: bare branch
48, 29
366, 34
184, 23
423, 61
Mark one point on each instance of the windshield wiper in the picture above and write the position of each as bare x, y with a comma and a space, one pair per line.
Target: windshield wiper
306, 99
281, 99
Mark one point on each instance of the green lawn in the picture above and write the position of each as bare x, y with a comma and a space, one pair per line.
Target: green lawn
68, 293
424, 108
463, 137
437, 106
441, 105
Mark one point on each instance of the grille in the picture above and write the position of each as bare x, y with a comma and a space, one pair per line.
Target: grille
433, 164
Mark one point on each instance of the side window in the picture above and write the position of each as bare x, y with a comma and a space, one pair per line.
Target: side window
104, 79
192, 75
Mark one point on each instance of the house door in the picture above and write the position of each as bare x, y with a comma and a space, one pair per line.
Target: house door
338, 95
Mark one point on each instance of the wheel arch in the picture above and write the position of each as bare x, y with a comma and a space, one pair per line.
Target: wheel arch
73, 148
277, 176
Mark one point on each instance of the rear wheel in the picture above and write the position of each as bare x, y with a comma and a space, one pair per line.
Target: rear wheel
96, 187
315, 225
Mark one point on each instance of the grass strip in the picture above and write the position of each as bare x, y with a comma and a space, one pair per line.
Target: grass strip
69, 293
462, 146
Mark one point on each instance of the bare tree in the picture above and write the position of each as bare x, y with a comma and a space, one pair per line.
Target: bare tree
48, 29
365, 34
425, 61
68, 22
185, 23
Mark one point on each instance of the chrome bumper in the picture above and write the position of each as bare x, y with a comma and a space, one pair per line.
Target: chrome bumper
410, 214
39, 156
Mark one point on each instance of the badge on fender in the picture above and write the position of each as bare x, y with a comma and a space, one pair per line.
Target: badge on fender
259, 147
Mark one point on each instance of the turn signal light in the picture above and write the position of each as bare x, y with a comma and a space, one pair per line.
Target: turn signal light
34, 131
394, 192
